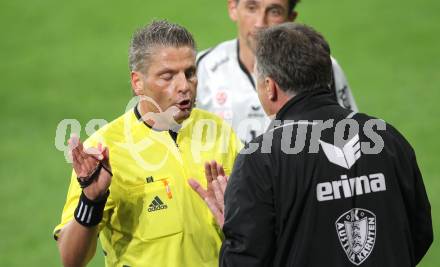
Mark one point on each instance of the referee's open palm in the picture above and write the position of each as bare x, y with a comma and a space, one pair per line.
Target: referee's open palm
85, 162
213, 195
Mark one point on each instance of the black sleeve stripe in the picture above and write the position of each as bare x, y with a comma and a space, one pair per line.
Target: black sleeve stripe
204, 55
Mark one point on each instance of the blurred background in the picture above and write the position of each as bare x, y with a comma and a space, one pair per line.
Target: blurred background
68, 60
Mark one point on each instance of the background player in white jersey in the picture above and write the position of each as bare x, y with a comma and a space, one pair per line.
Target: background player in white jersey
226, 83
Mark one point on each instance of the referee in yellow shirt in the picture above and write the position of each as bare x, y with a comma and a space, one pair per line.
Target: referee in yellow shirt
130, 179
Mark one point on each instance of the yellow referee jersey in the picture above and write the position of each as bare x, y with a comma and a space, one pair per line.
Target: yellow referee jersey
152, 216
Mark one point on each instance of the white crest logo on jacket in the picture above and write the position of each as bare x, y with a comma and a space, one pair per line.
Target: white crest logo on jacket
346, 156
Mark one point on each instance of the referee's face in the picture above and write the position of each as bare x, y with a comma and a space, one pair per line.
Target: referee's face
170, 81
253, 15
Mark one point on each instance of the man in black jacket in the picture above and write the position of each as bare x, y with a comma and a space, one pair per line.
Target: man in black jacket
323, 186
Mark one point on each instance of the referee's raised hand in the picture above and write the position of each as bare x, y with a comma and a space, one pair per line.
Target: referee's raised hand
92, 167
213, 195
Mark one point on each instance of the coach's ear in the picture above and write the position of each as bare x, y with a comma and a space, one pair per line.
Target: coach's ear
271, 89
232, 9
137, 83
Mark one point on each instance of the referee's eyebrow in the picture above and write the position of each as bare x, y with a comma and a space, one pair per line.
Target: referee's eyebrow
166, 70
171, 70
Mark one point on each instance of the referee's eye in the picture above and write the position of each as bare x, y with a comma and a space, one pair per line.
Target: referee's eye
166, 76
190, 73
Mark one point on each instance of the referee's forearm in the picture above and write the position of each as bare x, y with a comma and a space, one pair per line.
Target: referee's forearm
77, 244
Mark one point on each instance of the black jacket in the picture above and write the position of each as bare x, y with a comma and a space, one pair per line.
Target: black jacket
332, 203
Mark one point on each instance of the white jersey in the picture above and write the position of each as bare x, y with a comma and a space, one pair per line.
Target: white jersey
227, 89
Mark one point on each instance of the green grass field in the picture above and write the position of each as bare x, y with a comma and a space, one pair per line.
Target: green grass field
62, 59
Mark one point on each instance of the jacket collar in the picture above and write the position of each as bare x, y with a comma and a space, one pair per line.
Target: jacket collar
305, 102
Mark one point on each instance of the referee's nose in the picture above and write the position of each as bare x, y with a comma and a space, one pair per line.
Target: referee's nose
183, 85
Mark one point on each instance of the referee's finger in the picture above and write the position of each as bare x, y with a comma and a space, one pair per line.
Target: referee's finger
88, 153
78, 150
79, 143
208, 173
222, 182
76, 162
94, 152
214, 169
198, 188
106, 154
85, 160
220, 170
76, 153
106, 159
73, 141
219, 195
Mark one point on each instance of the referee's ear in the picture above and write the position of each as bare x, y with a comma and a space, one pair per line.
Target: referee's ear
137, 83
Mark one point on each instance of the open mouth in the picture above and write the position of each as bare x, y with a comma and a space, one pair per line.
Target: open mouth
184, 104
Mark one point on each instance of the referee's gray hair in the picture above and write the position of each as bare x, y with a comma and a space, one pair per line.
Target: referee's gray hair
295, 56
159, 33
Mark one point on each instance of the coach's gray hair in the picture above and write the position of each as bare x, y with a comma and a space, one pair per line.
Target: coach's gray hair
159, 33
295, 56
